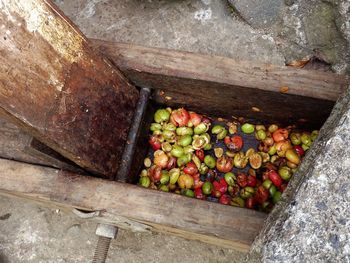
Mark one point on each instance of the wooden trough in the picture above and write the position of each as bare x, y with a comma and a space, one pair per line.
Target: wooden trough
75, 108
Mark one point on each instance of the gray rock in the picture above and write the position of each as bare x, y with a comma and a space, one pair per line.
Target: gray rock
258, 13
322, 33
315, 28
312, 223
289, 2
205, 26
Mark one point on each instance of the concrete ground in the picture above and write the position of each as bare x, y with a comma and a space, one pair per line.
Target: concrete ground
31, 233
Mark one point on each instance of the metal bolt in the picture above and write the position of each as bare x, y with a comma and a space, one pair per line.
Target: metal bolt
105, 233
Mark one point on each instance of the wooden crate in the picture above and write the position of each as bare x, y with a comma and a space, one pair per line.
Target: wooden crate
214, 85
138, 209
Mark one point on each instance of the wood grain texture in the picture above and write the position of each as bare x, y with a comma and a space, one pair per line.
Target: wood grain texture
17, 145
187, 65
222, 86
61, 91
153, 210
14, 142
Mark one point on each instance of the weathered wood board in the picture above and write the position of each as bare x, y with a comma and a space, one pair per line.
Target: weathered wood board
224, 87
17, 145
14, 143
54, 86
126, 205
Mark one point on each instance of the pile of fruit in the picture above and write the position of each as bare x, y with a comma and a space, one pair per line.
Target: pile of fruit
193, 156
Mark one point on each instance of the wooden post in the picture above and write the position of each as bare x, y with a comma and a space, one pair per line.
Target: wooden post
132, 207
60, 90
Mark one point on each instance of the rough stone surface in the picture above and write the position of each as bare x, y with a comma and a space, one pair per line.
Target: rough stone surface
205, 26
301, 29
30, 233
312, 223
259, 13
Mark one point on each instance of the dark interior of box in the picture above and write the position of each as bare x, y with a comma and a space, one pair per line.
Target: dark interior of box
217, 106
212, 111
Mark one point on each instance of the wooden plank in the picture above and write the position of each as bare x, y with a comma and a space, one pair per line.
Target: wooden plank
152, 210
187, 65
60, 90
14, 142
222, 85
17, 145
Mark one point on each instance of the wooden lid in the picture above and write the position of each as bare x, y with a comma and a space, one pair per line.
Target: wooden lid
60, 90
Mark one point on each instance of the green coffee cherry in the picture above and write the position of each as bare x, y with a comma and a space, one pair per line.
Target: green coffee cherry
219, 152
295, 138
267, 184
147, 162
163, 188
158, 133
188, 149
237, 201
305, 147
306, 139
265, 157
247, 192
207, 188
276, 197
314, 135
230, 178
221, 135
166, 147
247, 128
184, 159
217, 129
259, 127
184, 131
274, 158
220, 131
196, 161
208, 147
187, 192
260, 135
174, 175
232, 128
273, 128
144, 172
169, 135
210, 161
164, 179
199, 142
285, 173
155, 127
203, 169
185, 140
230, 154
177, 151
200, 128
169, 127
272, 150
161, 115
272, 190
144, 181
